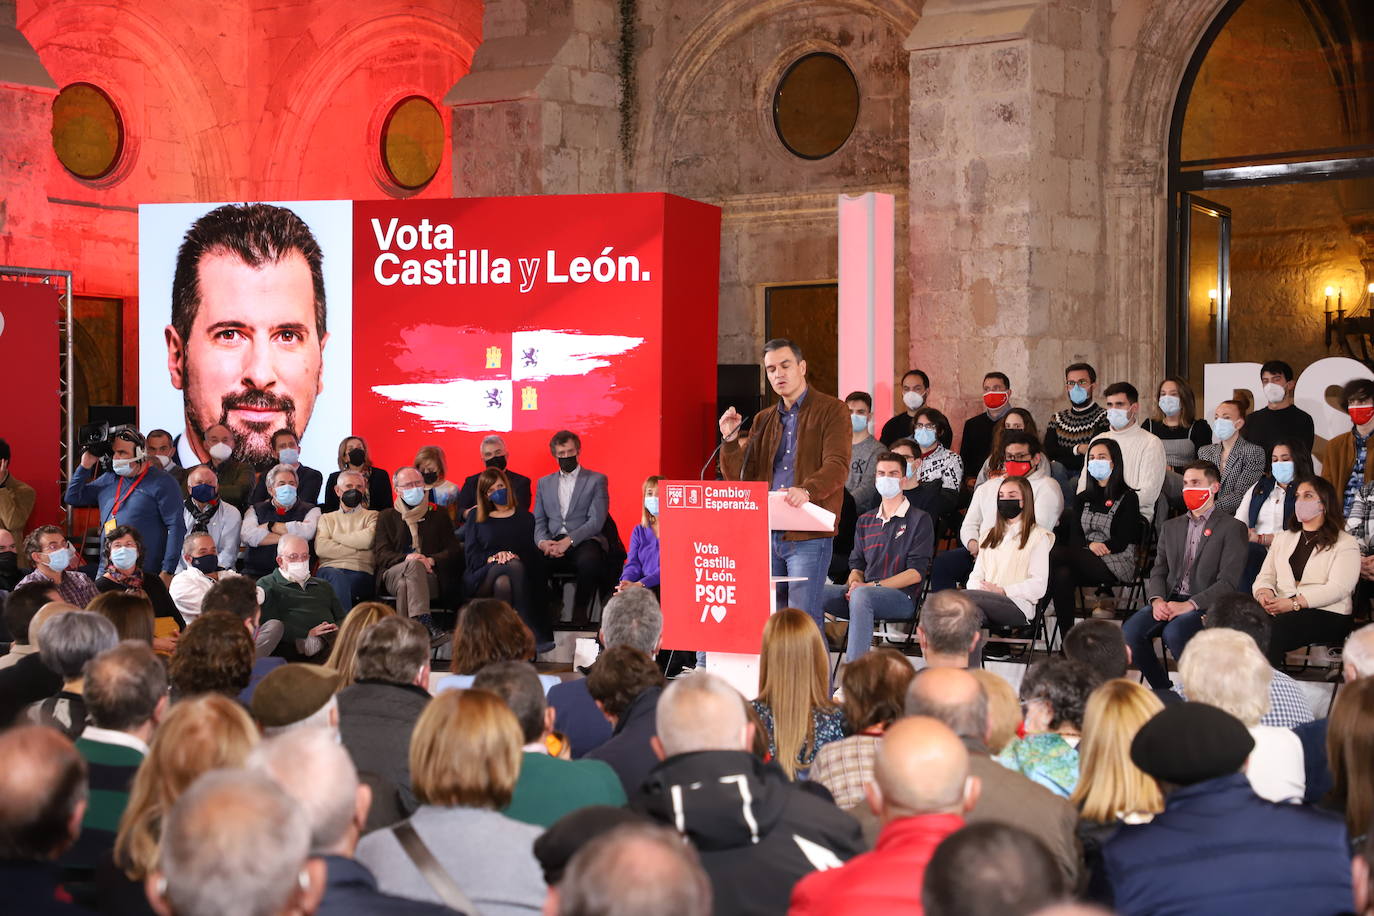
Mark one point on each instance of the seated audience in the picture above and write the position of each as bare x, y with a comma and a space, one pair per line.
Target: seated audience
132, 616
915, 390
1102, 531
863, 450
1053, 694
29, 680
948, 633
920, 790
756, 853
54, 561
1199, 558
1182, 431
234, 476
43, 797
488, 631
874, 697
633, 870
570, 508
991, 870
548, 788
235, 836
1348, 749
641, 561
1142, 454
465, 760
297, 696
631, 618
123, 572
1310, 573
1012, 570
238, 596
1217, 847
10, 573
343, 542
957, 699
197, 735
1240, 461
378, 713
20, 607
355, 456
214, 655
1288, 705
1267, 507
1016, 420
201, 571
316, 773
625, 684
415, 551
893, 545
1099, 645
1004, 709
1070, 430
556, 846
65, 644
308, 481
976, 442
502, 562
343, 658
493, 453
1280, 419
17, 500
935, 462
1224, 668
794, 702
206, 512
1344, 463
307, 607
441, 491
927, 495
270, 520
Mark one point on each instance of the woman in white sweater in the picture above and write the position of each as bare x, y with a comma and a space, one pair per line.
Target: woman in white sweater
1311, 571
1012, 571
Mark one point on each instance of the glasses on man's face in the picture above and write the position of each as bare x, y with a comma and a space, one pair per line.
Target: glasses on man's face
296, 557
1025, 456
926, 426
1081, 383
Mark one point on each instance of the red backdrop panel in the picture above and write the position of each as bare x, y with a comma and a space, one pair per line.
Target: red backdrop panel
30, 344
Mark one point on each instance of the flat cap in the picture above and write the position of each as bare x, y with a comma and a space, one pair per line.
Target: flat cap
1187, 743
556, 846
293, 692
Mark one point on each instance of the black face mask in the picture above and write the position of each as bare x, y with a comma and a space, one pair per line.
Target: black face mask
352, 498
206, 564
1008, 508
430, 476
568, 464
356, 457
497, 461
9, 561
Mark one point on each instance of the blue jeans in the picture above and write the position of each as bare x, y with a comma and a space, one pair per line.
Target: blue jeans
810, 559
1140, 631
349, 585
950, 568
863, 607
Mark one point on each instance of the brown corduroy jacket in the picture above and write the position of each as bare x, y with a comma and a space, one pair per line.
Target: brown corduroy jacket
1340, 461
823, 441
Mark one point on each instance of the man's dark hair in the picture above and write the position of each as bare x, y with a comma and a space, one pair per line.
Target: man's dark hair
42, 781
1206, 467
1238, 611
564, 436
990, 869
123, 686
1277, 367
4, 450
213, 655
619, 676
159, 432
861, 396
21, 606
1100, 645
256, 234
1125, 388
392, 650
237, 595
891, 456
283, 432
517, 684
999, 376
1081, 367
1361, 388
1021, 437
780, 343
925, 379
940, 421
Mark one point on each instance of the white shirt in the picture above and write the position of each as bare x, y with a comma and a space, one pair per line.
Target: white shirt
566, 484
1142, 464
1275, 769
1026, 593
108, 736
224, 528
982, 508
1270, 518
188, 590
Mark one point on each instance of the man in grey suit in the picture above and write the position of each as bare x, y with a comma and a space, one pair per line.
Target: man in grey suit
1200, 558
570, 509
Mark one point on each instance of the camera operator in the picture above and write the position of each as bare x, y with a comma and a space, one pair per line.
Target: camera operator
133, 491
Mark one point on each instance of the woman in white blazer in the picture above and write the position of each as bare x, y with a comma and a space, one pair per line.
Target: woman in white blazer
1311, 571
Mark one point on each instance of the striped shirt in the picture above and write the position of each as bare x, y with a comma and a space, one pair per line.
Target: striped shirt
884, 547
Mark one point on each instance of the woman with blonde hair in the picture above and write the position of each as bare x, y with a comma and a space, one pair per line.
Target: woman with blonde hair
874, 696
465, 758
344, 656
207, 732
433, 467
641, 560
794, 692
1004, 709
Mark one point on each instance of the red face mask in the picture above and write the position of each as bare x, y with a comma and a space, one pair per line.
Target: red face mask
1018, 468
1196, 497
1360, 413
994, 400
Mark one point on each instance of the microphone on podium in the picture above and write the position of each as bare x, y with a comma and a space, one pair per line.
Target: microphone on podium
716, 451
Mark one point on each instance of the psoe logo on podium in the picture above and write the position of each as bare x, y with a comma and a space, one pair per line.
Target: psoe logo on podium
685, 497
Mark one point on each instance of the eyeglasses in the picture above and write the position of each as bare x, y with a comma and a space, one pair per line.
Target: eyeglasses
1081, 383
296, 557
926, 426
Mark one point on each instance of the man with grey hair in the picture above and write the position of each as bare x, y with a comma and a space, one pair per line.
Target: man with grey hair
955, 698
66, 643
415, 551
757, 832
204, 510
310, 767
633, 870
42, 800
378, 712
266, 522
949, 630
202, 568
307, 607
493, 449
631, 618
343, 542
234, 842
1357, 661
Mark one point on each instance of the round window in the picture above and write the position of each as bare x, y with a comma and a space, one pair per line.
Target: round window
413, 142
87, 132
816, 105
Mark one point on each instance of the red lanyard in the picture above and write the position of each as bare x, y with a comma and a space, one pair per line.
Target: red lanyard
121, 496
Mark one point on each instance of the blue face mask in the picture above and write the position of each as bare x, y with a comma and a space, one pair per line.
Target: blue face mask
1078, 396
289, 455
911, 469
888, 487
1282, 471
124, 558
1118, 417
858, 423
124, 467
1169, 405
1099, 469
1223, 429
498, 496
924, 437
651, 505
286, 495
413, 496
59, 559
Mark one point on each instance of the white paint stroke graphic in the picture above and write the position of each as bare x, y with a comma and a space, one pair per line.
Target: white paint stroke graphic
464, 404
538, 355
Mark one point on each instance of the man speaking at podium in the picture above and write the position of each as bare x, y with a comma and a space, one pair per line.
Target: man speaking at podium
800, 446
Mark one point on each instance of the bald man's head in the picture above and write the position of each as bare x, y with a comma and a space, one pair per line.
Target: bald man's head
921, 767
42, 793
701, 713
954, 697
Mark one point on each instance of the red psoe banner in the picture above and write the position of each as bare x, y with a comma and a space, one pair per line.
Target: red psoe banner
714, 564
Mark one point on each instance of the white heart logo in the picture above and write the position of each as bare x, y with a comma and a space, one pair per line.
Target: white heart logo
718, 612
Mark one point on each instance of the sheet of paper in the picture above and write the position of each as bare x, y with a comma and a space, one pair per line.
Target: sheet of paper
806, 517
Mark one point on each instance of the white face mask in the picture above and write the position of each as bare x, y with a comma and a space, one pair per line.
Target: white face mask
165, 461
913, 400
221, 451
1273, 392
297, 572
